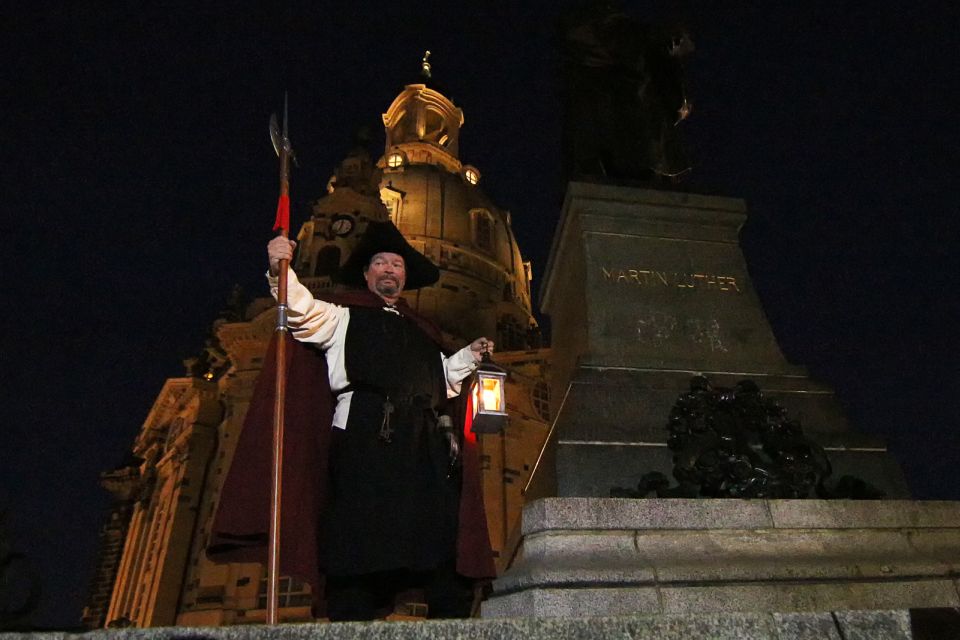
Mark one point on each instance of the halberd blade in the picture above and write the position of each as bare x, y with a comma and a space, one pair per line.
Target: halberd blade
275, 136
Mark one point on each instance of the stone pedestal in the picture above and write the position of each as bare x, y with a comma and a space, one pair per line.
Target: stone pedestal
645, 289
582, 557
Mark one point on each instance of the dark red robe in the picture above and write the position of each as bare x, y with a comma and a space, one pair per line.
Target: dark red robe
241, 528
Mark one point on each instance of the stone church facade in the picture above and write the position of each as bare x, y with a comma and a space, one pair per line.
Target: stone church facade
152, 569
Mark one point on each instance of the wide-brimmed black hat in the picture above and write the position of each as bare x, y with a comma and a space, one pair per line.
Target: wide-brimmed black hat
378, 238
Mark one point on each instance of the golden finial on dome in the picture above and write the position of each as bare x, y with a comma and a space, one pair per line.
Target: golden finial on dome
425, 65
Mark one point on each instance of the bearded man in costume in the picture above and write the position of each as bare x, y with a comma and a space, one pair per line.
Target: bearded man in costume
380, 502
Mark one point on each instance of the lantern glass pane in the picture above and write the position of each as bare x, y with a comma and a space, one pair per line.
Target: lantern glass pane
490, 394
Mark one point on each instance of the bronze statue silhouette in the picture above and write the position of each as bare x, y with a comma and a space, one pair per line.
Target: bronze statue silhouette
624, 96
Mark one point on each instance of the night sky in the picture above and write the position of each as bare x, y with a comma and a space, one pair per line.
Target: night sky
139, 185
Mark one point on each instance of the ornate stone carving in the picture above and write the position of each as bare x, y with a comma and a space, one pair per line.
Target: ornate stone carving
736, 443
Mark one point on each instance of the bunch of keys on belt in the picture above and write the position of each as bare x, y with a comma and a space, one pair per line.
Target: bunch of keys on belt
386, 431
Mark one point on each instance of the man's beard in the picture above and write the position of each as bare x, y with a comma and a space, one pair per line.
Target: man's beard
388, 286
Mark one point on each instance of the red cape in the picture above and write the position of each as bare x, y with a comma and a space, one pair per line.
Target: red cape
241, 528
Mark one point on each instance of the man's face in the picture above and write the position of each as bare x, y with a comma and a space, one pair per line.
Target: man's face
386, 274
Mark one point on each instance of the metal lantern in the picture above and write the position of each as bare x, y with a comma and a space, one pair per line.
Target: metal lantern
489, 398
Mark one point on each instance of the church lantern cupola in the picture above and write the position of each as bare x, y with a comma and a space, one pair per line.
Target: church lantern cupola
423, 126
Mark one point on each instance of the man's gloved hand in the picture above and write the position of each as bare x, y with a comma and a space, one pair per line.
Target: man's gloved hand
445, 425
454, 447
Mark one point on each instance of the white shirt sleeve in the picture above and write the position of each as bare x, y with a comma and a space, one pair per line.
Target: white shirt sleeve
309, 319
324, 324
456, 368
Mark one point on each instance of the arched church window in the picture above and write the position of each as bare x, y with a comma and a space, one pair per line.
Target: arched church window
328, 261
435, 127
174, 431
471, 174
483, 229
393, 201
541, 400
510, 335
292, 593
406, 125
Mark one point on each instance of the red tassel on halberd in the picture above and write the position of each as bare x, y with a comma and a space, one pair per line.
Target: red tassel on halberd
283, 214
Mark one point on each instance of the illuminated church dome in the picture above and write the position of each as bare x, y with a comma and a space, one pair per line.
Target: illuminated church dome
436, 202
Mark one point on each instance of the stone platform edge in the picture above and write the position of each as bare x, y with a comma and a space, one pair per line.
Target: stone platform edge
847, 625
546, 514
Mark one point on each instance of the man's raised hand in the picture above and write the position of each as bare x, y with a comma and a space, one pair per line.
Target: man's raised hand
278, 249
481, 346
